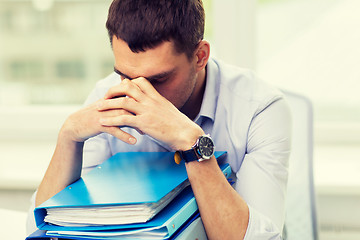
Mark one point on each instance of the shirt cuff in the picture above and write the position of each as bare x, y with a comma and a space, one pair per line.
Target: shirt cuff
261, 227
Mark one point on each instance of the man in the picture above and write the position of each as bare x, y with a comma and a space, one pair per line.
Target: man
174, 95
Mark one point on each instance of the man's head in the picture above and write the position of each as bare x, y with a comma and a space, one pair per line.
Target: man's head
145, 24
161, 40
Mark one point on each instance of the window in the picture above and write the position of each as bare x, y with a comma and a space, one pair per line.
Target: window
25, 70
70, 69
311, 47
47, 51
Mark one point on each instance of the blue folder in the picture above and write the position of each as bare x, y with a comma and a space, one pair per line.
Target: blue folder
175, 218
193, 227
137, 178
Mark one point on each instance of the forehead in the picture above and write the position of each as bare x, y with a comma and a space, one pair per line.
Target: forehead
162, 58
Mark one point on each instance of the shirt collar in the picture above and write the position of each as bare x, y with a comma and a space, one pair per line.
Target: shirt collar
208, 105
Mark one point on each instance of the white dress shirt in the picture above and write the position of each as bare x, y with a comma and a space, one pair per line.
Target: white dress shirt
245, 117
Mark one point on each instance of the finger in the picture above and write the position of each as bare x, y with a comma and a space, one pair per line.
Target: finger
121, 112
125, 88
121, 135
118, 121
114, 112
126, 104
145, 86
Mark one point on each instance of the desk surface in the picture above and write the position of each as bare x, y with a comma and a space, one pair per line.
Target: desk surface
8, 220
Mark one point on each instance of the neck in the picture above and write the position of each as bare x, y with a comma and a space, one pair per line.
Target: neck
192, 107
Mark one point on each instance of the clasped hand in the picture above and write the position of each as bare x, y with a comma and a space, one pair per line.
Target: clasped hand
144, 109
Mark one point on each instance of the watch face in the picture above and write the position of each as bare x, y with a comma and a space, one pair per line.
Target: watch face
206, 147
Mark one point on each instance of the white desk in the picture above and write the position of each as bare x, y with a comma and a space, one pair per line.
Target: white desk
12, 224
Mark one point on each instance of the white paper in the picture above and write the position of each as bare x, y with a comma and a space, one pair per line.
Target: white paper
109, 215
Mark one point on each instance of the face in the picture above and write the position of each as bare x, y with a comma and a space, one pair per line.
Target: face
173, 75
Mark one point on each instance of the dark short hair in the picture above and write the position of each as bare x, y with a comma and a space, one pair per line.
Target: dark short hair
145, 24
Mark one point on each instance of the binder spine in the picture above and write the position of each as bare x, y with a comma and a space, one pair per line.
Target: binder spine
179, 219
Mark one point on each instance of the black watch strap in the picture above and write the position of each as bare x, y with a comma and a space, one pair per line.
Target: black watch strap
190, 155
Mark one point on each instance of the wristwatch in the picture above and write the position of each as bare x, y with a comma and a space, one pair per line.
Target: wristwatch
203, 149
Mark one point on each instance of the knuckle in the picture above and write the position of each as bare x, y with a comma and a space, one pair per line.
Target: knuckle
126, 82
120, 102
139, 80
126, 87
121, 112
124, 100
112, 90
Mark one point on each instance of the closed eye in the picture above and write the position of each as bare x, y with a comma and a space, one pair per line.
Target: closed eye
122, 76
158, 80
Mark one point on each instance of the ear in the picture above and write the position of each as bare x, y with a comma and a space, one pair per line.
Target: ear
202, 54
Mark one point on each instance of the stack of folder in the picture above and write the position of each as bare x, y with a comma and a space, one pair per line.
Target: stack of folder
133, 195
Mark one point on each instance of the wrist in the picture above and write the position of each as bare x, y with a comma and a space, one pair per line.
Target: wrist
67, 132
66, 139
188, 138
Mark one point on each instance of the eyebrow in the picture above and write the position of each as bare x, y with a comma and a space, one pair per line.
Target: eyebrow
150, 78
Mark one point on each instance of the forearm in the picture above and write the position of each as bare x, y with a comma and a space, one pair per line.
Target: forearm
224, 213
64, 168
66, 163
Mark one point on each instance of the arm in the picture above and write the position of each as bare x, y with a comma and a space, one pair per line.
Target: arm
224, 213
262, 178
66, 163
64, 168
257, 209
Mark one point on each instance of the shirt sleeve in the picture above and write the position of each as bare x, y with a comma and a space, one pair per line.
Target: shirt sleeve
262, 178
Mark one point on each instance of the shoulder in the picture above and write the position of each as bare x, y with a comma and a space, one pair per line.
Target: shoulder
243, 88
248, 111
